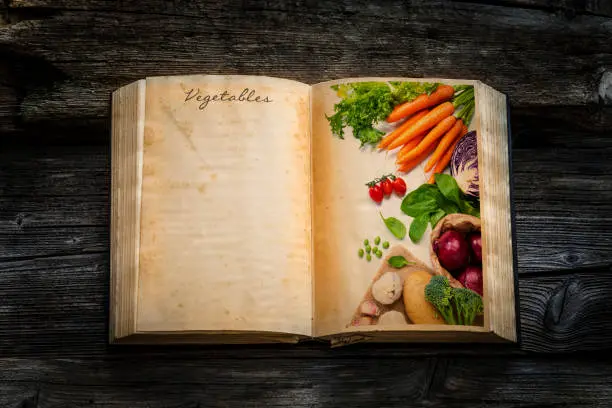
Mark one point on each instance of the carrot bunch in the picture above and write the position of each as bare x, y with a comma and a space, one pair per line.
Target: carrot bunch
433, 126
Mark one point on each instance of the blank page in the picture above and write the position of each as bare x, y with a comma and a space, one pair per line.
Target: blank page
225, 222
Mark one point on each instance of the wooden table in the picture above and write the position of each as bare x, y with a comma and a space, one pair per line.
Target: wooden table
59, 61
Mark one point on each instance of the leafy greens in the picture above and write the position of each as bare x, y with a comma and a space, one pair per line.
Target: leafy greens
365, 103
430, 202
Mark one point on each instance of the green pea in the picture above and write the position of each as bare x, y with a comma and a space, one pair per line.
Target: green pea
368, 249
377, 240
386, 244
379, 254
375, 249
360, 252
366, 242
369, 257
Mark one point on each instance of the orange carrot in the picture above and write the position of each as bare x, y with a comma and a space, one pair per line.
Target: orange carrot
398, 131
407, 166
432, 137
443, 162
428, 121
411, 145
464, 130
441, 94
446, 141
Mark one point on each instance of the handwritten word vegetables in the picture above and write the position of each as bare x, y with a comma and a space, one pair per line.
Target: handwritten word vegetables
385, 185
430, 202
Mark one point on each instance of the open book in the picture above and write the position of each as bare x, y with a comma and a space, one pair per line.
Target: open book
249, 209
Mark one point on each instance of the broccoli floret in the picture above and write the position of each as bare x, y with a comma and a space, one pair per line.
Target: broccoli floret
439, 293
468, 304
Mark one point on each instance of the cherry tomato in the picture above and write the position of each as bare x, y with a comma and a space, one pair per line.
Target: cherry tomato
387, 187
376, 193
399, 185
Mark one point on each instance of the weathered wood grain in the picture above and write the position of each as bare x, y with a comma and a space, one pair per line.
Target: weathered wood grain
59, 61
516, 51
571, 311
148, 381
569, 8
63, 312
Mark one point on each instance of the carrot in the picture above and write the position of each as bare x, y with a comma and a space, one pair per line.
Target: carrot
446, 141
410, 145
407, 166
464, 130
443, 162
428, 121
437, 132
441, 94
395, 134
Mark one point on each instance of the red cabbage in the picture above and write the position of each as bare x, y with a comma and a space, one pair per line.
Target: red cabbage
464, 164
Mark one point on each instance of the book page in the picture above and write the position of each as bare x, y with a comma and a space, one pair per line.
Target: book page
355, 287
225, 225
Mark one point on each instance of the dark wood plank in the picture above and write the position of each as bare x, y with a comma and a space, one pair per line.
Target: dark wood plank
56, 241
556, 243
17, 215
409, 382
566, 52
569, 8
14, 395
42, 171
54, 304
57, 306
524, 382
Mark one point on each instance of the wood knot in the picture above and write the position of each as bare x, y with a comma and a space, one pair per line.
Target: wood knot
20, 218
563, 306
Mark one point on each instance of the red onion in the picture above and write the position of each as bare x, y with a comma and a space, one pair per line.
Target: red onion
452, 250
476, 245
471, 278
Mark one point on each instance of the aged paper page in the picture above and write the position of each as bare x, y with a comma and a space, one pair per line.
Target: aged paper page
225, 238
344, 216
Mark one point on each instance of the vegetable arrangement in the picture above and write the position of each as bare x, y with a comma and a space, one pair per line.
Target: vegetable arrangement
435, 122
364, 104
431, 202
384, 186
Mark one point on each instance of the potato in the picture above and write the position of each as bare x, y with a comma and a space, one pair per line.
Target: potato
419, 310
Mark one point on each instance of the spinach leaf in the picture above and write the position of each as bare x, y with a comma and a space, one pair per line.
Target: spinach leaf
399, 262
449, 188
397, 228
418, 227
467, 208
449, 207
426, 198
435, 217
